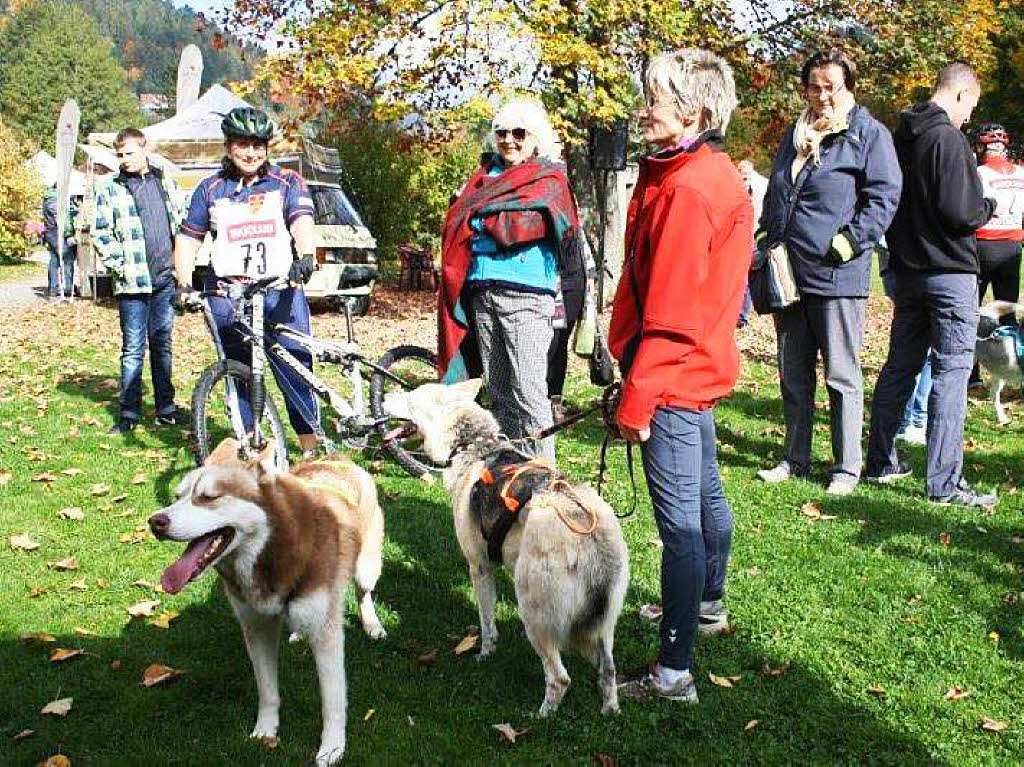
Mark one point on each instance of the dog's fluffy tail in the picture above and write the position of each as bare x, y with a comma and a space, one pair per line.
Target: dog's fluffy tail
595, 609
997, 313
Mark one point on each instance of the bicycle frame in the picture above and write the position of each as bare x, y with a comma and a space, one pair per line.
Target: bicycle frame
354, 422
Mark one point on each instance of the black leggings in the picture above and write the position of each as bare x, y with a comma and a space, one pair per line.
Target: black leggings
1000, 268
574, 287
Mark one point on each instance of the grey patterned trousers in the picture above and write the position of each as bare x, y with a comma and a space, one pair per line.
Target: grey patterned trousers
514, 330
835, 326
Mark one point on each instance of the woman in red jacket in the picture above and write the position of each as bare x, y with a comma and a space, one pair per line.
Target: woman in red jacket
689, 236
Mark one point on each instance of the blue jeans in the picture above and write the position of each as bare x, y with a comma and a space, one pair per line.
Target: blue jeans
916, 412
146, 317
745, 309
53, 273
937, 310
694, 520
281, 307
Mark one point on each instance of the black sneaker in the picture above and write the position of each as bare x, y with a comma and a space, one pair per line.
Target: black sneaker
965, 496
890, 474
124, 426
174, 418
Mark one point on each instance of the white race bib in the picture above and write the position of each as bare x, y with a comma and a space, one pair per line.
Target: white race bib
252, 237
1007, 189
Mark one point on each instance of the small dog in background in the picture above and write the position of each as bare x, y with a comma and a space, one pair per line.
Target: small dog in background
1000, 347
563, 545
285, 545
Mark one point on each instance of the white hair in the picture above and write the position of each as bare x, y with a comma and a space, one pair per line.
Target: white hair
699, 82
529, 114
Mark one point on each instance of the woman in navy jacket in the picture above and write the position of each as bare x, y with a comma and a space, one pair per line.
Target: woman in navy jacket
832, 192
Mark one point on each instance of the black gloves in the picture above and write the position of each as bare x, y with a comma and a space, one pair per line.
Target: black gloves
185, 299
302, 269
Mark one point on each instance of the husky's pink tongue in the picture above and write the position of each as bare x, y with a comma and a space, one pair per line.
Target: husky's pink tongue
177, 575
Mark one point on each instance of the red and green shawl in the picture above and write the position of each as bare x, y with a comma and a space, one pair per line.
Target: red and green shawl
526, 203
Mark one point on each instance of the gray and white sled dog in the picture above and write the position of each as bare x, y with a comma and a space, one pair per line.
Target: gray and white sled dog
997, 352
285, 545
563, 544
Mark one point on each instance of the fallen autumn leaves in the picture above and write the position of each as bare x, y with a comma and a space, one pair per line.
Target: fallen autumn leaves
452, 643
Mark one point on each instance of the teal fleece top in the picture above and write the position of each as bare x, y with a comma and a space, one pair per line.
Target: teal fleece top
532, 268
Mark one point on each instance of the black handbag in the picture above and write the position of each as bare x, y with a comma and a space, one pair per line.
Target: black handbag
602, 368
759, 280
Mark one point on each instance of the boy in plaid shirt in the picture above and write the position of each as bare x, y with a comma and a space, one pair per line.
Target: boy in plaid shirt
137, 213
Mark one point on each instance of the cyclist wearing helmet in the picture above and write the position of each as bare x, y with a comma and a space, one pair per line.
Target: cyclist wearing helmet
256, 212
999, 241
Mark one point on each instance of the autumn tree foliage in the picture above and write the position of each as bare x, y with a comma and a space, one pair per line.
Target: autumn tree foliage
898, 45
431, 58
149, 35
20, 194
437, 60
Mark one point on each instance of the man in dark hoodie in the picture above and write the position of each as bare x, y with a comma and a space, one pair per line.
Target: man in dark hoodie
934, 258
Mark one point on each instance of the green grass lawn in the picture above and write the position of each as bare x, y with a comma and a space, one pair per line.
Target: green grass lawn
869, 614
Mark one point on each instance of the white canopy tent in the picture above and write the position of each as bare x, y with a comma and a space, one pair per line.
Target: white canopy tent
100, 155
199, 122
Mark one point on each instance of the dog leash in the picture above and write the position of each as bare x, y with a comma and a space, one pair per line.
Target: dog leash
608, 405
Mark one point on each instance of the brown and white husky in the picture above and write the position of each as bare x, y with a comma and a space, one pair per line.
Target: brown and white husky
285, 544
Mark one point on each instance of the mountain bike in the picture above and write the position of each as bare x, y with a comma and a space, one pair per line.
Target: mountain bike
357, 401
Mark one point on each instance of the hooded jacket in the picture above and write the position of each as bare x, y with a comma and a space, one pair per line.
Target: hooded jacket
942, 204
852, 192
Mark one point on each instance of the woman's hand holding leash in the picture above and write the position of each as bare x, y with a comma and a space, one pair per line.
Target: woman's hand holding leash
633, 435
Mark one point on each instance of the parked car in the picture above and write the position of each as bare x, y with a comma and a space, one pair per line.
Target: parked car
346, 251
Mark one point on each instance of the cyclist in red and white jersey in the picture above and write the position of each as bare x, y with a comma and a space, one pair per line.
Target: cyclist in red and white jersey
999, 241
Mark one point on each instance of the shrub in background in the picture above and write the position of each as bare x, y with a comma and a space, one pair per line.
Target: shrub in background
401, 184
20, 195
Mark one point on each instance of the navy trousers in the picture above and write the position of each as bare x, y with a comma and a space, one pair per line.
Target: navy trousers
281, 307
937, 310
694, 520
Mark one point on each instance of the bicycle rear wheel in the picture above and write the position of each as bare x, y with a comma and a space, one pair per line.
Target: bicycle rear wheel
215, 413
413, 366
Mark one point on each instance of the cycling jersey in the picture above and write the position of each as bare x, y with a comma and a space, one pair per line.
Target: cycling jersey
1003, 181
294, 194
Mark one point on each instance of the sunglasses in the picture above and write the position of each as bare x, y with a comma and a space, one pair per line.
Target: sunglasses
517, 133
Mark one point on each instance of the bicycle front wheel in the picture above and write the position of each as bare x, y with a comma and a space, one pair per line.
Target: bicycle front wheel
216, 415
412, 366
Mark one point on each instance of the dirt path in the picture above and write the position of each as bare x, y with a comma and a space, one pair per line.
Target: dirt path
25, 289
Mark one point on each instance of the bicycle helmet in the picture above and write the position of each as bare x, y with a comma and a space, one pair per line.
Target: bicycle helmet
993, 133
247, 122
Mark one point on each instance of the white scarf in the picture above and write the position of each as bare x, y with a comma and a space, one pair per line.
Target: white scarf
810, 131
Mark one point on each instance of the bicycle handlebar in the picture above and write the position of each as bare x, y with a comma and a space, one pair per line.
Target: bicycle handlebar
248, 291
265, 284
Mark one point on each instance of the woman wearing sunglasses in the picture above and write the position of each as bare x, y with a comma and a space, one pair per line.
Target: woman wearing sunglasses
689, 231
511, 230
